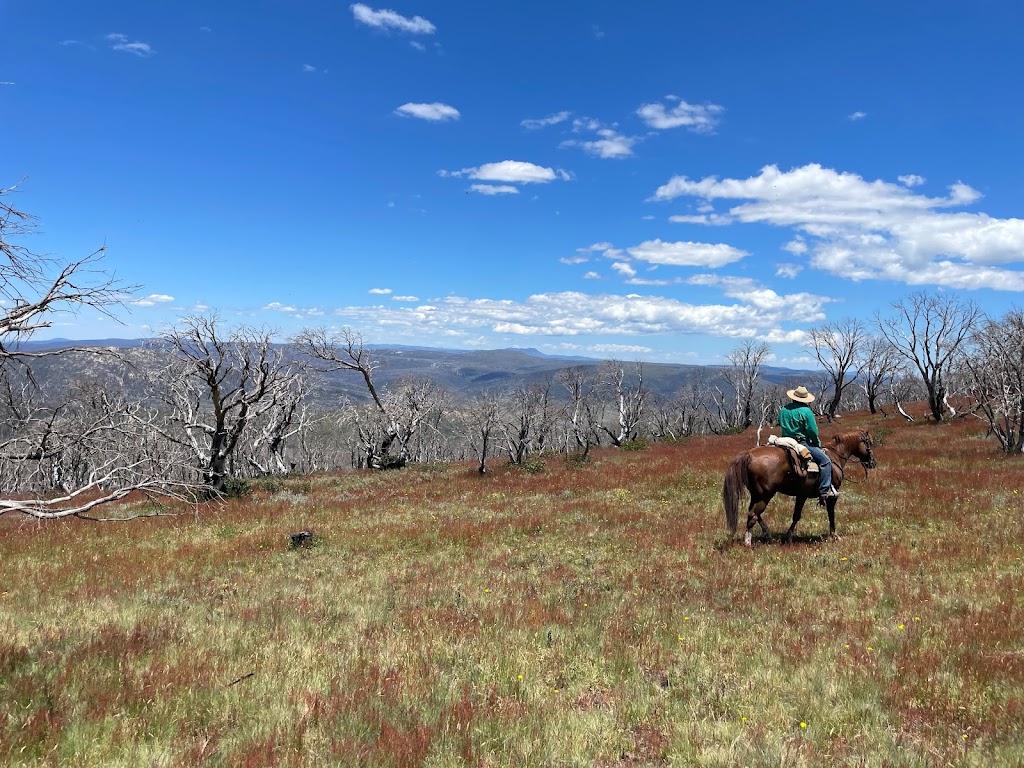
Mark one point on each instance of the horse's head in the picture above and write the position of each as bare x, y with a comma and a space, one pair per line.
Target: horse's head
863, 450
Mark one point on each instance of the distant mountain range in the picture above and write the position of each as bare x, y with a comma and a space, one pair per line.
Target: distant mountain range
461, 372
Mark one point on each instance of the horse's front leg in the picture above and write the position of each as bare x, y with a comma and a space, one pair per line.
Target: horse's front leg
830, 505
757, 506
798, 508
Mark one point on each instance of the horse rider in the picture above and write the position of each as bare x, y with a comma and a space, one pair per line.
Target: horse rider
797, 421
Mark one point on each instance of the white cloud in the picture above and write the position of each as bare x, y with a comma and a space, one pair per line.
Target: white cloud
388, 19
911, 180
585, 254
405, 298
686, 254
797, 246
624, 269
610, 144
435, 111
309, 68
856, 116
380, 291
712, 219
417, 45
276, 306
512, 171
119, 42
541, 122
753, 311
592, 276
6, 82
788, 270
699, 118
152, 300
861, 230
494, 189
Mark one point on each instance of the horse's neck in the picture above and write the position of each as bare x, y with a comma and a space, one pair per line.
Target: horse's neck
841, 451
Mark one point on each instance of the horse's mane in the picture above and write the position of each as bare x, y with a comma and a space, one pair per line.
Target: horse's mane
854, 435
848, 440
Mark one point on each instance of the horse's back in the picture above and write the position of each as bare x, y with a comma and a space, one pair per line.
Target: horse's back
769, 467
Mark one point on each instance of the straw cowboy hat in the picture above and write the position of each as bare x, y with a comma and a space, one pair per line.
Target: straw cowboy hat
800, 394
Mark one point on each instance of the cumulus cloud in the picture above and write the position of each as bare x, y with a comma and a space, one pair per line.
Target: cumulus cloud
609, 144
542, 122
380, 291
510, 171
405, 298
435, 111
699, 118
855, 116
686, 254
911, 180
119, 42
753, 311
863, 230
387, 19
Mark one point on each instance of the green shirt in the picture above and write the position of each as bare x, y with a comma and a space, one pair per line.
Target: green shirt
797, 421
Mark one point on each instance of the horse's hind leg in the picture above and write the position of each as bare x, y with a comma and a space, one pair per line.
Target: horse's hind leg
798, 508
754, 515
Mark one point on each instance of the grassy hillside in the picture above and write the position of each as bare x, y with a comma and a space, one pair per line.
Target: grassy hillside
592, 615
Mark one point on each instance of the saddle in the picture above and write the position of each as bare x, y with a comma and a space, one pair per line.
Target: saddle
802, 458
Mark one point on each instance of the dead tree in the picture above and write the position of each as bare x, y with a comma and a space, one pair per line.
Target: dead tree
731, 406
929, 332
388, 428
996, 369
580, 421
217, 383
65, 453
877, 361
743, 375
287, 418
483, 416
629, 396
837, 347
525, 420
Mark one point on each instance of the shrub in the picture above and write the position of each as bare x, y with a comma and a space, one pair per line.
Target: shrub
235, 488
531, 465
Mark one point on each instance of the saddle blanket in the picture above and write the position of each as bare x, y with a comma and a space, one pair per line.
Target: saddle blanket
800, 448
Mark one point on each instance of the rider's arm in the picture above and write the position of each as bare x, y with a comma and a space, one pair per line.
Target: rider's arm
812, 429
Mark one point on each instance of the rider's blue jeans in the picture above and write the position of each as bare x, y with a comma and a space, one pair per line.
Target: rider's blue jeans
824, 468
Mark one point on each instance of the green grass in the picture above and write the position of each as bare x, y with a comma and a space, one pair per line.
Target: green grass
590, 614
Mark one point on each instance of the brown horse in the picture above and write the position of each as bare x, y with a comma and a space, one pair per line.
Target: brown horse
767, 470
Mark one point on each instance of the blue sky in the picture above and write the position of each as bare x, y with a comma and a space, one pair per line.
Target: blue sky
658, 182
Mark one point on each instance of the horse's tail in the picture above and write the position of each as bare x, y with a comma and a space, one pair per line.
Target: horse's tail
735, 482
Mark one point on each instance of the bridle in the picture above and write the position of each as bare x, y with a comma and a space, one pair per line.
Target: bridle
864, 438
